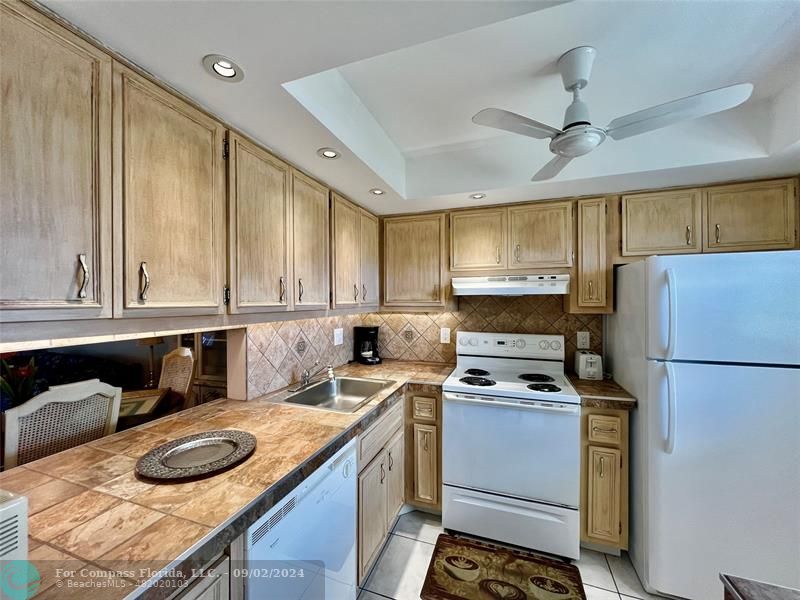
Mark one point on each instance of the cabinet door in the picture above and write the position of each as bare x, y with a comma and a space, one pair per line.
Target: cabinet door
346, 234
592, 263
169, 193
372, 507
395, 490
413, 250
216, 585
426, 464
540, 235
55, 172
603, 498
258, 228
369, 258
661, 223
477, 239
750, 216
310, 239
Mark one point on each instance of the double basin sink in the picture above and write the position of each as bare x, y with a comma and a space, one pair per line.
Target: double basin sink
342, 394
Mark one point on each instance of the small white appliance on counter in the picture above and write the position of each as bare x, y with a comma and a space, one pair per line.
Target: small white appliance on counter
710, 346
588, 365
511, 443
305, 546
13, 527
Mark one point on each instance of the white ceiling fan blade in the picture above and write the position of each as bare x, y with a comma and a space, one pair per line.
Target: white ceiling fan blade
503, 119
691, 107
552, 168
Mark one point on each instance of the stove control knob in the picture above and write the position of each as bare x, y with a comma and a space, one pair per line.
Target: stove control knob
462, 341
473, 341
544, 345
520, 343
556, 345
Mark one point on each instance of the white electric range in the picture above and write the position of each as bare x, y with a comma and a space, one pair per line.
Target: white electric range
511, 443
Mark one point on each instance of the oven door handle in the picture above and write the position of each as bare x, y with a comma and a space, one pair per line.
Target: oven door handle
522, 404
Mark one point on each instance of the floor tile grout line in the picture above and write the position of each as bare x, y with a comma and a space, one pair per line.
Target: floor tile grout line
408, 537
617, 594
362, 590
613, 577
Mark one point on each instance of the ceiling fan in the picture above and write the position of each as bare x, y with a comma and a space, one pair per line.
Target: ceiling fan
578, 136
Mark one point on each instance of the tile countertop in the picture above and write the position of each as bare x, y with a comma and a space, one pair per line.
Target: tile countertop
602, 394
87, 508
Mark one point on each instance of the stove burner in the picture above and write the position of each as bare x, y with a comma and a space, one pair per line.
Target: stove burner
477, 372
544, 387
481, 381
536, 377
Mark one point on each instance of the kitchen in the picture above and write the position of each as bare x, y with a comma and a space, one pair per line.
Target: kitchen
430, 361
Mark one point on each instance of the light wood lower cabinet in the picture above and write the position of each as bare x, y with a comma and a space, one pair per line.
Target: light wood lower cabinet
310, 237
478, 239
604, 477
55, 172
169, 193
426, 464
423, 454
540, 235
395, 457
751, 216
666, 222
215, 585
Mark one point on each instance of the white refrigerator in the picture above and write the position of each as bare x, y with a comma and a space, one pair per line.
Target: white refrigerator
710, 346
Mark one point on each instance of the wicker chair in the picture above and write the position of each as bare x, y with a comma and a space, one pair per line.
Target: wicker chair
62, 417
177, 369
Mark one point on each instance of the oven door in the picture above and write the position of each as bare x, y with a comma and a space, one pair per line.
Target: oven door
525, 449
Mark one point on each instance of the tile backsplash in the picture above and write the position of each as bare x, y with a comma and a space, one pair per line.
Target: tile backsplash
278, 352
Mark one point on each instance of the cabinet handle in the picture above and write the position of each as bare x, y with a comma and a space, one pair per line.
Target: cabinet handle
425, 442
355, 293
602, 430
498, 255
85, 280
282, 282
383, 473
516, 253
591, 292
145, 282
391, 461
717, 232
364, 295
688, 235
602, 462
300, 290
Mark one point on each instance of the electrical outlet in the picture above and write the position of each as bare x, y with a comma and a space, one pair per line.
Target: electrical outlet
583, 340
444, 335
338, 336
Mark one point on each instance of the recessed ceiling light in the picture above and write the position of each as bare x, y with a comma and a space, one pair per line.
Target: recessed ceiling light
328, 153
223, 67
477, 196
377, 192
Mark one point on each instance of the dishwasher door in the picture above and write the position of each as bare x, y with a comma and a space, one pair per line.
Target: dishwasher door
305, 546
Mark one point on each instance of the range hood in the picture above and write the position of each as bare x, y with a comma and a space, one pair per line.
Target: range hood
511, 285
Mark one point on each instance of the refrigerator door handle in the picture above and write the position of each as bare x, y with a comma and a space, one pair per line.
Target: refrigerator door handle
672, 306
671, 409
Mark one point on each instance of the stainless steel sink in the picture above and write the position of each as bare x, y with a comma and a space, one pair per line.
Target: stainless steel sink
343, 394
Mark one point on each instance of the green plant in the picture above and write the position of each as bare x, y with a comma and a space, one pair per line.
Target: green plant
16, 383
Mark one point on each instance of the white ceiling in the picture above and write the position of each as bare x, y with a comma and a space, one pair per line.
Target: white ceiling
393, 85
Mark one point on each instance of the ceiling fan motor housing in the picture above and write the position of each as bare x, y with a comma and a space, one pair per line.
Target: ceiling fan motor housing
577, 141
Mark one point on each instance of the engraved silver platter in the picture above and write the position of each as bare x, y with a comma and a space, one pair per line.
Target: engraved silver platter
196, 456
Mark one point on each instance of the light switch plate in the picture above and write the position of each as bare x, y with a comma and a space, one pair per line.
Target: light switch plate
444, 335
338, 336
583, 340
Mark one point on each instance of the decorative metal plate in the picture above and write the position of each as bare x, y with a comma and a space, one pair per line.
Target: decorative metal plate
196, 456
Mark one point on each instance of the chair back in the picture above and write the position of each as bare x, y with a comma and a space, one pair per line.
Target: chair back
177, 369
62, 417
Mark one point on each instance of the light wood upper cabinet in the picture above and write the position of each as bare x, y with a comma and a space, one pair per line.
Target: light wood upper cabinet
540, 235
395, 479
346, 238
426, 464
478, 239
55, 172
593, 264
372, 510
604, 495
665, 222
413, 260
370, 278
169, 193
310, 239
258, 228
751, 216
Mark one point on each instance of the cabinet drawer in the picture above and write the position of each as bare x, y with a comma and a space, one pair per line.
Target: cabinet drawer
423, 408
605, 429
376, 437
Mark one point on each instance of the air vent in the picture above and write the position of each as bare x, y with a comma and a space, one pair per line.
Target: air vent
518, 278
495, 278
273, 521
13, 527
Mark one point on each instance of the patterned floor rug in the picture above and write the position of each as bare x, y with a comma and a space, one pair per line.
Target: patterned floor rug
465, 569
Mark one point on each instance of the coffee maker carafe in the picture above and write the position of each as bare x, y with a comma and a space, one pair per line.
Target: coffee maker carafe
365, 345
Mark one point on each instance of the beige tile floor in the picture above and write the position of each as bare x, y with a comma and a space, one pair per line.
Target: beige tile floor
400, 570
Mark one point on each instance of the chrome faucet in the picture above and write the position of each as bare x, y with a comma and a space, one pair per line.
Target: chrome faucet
307, 376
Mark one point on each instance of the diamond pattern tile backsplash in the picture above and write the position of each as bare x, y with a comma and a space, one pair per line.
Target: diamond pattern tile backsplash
277, 353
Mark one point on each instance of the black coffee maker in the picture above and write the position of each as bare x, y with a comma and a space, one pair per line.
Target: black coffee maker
365, 345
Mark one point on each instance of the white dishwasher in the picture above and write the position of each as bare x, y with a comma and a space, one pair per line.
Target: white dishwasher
305, 546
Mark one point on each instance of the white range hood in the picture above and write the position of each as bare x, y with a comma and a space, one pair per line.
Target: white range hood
511, 285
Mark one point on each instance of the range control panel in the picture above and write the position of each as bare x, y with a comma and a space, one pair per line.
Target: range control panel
516, 345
